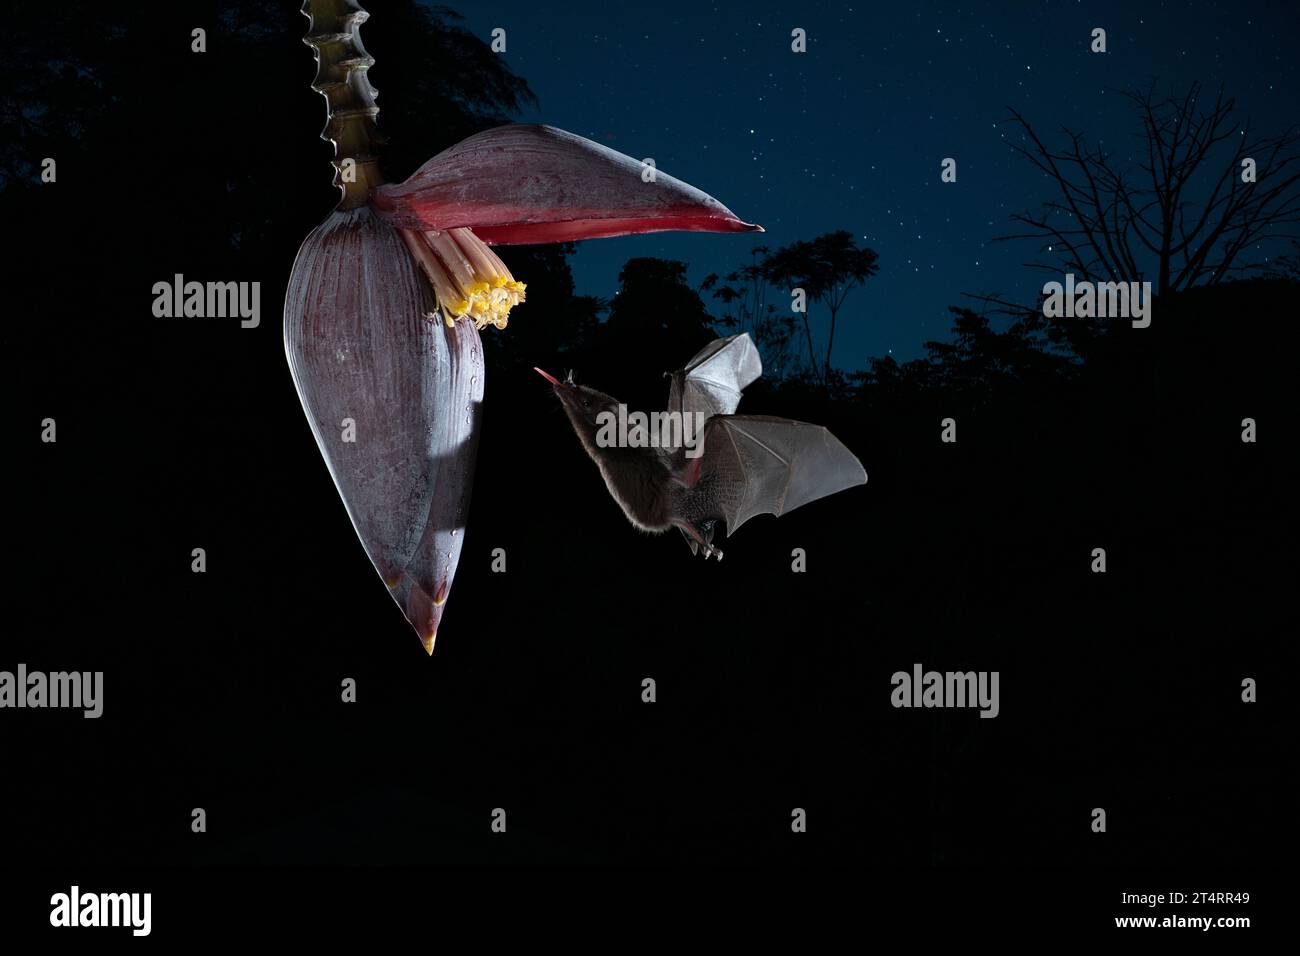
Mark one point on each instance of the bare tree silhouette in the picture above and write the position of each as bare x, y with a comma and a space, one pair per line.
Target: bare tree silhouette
1183, 213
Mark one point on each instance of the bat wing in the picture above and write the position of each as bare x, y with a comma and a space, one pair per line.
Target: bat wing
754, 464
712, 381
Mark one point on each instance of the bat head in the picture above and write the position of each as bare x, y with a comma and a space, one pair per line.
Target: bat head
583, 406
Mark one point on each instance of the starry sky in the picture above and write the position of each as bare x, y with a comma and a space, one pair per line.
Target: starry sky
850, 134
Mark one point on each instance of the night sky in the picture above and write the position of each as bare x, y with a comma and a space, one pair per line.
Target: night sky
850, 134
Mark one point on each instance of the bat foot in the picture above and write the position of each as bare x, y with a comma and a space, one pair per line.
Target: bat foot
700, 540
708, 549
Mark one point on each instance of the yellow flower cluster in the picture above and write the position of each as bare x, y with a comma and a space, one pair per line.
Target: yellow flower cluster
468, 277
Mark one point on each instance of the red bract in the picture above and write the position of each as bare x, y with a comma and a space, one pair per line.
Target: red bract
531, 184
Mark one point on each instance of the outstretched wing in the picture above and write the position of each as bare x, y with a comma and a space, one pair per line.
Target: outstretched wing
712, 381
754, 464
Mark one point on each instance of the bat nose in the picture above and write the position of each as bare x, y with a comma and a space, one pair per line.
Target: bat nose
548, 376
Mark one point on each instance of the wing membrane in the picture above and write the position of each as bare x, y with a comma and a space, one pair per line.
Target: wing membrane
713, 380
756, 464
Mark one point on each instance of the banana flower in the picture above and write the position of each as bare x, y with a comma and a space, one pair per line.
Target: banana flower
388, 295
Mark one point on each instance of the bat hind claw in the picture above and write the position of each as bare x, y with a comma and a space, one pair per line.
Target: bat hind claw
701, 539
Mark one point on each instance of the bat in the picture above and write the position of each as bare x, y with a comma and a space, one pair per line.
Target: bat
727, 470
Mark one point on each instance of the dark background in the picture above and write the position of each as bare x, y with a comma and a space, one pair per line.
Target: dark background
222, 690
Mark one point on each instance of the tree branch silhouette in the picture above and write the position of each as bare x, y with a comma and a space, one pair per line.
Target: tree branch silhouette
1183, 214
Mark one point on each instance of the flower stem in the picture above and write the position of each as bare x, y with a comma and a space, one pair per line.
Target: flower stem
342, 63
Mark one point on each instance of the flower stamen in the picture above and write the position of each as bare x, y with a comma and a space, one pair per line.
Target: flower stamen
468, 278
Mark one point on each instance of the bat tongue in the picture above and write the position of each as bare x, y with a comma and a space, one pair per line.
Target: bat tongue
548, 376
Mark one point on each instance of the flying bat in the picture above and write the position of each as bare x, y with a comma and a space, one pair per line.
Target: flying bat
707, 464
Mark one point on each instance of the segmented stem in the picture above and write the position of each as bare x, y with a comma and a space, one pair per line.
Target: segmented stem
342, 63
